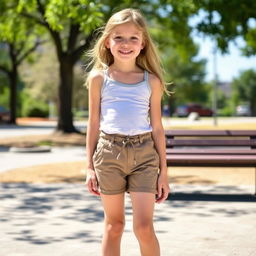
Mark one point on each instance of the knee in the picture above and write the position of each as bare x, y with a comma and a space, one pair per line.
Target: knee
115, 229
144, 231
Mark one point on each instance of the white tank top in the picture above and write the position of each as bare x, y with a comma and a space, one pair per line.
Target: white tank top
125, 107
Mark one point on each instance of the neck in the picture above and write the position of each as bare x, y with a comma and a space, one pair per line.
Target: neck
124, 67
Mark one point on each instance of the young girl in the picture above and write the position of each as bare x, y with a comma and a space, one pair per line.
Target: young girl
125, 137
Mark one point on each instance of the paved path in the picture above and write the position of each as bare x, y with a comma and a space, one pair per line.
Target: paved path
64, 220
12, 160
33, 128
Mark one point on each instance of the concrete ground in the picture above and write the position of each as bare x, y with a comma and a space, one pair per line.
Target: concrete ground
64, 219
57, 155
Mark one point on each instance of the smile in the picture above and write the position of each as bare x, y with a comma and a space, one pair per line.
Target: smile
125, 52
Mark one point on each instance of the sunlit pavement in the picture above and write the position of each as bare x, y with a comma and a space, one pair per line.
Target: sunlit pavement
12, 160
63, 220
33, 128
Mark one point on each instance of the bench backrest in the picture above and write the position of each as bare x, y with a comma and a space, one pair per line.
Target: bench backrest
210, 138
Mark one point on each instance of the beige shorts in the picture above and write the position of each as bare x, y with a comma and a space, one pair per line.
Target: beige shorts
126, 163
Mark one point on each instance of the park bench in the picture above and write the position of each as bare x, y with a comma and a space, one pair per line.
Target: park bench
212, 148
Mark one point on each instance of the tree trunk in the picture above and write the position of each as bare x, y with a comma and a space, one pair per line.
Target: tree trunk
13, 75
65, 117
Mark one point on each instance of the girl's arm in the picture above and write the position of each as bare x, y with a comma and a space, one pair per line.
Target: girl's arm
159, 136
95, 84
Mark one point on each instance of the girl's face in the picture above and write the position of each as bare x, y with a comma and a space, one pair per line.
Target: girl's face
125, 42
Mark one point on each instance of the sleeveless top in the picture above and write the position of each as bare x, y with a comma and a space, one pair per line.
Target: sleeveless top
125, 107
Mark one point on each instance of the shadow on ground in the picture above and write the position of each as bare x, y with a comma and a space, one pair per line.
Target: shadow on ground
53, 213
62, 212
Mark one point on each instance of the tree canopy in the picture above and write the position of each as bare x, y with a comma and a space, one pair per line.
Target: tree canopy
71, 26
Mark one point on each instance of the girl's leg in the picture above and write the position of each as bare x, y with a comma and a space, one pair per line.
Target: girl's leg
143, 208
114, 223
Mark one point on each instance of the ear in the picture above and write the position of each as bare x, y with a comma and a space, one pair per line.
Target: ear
142, 45
106, 43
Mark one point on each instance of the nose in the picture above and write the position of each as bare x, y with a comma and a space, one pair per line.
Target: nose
125, 41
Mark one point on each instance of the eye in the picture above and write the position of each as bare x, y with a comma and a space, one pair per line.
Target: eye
118, 38
134, 38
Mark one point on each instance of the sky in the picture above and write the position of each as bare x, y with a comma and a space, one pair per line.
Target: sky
229, 65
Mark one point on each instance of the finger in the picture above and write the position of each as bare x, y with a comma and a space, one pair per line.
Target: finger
166, 194
95, 184
163, 197
159, 198
90, 188
160, 189
96, 193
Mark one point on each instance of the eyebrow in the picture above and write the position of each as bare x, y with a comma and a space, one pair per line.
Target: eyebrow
118, 33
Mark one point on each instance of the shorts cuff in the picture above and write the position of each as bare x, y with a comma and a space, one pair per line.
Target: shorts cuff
112, 192
145, 190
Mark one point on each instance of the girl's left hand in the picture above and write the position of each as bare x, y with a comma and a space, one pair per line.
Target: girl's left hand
91, 182
163, 188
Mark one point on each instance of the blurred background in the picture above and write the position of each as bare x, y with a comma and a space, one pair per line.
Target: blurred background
207, 48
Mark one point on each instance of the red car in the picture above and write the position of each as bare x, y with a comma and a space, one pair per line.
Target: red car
185, 110
4, 115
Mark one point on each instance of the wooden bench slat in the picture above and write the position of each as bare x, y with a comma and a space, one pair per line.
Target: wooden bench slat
211, 160
184, 133
216, 142
186, 151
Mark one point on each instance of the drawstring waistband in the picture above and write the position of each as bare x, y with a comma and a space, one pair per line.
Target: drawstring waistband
125, 139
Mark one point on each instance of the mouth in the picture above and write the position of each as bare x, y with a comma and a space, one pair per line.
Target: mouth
124, 52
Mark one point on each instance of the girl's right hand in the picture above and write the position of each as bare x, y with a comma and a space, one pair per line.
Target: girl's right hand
91, 182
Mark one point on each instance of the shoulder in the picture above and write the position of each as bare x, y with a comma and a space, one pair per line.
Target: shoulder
96, 78
155, 84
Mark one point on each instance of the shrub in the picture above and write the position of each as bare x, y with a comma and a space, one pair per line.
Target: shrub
34, 108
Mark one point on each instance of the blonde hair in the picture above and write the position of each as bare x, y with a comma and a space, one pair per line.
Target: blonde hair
148, 58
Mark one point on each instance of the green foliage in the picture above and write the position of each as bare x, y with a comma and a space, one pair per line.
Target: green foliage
60, 14
41, 76
33, 108
226, 111
227, 20
244, 89
30, 5
183, 70
81, 114
4, 96
250, 38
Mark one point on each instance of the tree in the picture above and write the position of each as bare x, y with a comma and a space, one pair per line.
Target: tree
41, 79
70, 24
244, 89
19, 39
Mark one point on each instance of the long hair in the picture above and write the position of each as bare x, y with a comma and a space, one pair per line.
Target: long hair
148, 59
